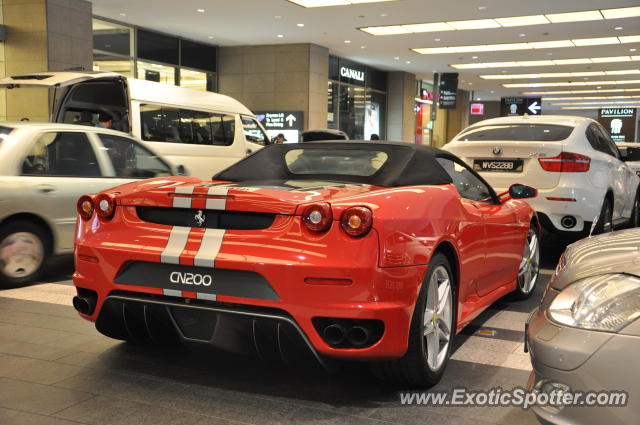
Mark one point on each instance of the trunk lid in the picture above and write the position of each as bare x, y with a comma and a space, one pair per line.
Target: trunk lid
522, 155
275, 197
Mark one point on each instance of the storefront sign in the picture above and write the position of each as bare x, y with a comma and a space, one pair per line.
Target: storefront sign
289, 123
620, 122
512, 106
477, 109
448, 90
353, 74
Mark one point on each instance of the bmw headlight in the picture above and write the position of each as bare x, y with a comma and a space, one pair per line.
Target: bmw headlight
605, 303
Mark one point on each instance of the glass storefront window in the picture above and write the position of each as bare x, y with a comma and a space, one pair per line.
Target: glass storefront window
193, 79
156, 72
352, 106
113, 38
197, 55
107, 63
158, 47
332, 114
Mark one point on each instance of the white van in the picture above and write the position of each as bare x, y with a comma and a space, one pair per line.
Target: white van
203, 132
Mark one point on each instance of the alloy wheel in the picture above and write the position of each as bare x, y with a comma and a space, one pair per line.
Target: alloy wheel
530, 264
21, 254
438, 318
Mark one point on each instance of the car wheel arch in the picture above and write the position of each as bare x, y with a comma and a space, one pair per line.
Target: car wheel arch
36, 219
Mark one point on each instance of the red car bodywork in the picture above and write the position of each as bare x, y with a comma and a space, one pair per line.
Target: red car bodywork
377, 276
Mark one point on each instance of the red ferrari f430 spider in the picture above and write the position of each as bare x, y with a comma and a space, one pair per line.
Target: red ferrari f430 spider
365, 251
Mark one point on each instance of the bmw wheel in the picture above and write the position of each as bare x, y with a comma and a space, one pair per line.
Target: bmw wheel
635, 213
529, 266
431, 333
24, 247
605, 219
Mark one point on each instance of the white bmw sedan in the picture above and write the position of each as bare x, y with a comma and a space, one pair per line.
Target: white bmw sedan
572, 161
44, 169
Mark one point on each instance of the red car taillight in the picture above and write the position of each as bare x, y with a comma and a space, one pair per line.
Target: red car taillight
566, 162
356, 221
105, 205
85, 206
318, 217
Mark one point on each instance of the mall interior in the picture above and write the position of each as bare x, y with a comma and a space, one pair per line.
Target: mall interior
405, 185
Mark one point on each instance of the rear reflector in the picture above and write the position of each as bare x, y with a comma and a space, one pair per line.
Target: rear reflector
566, 162
88, 258
561, 199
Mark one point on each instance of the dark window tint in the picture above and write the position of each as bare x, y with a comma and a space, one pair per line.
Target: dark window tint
157, 47
469, 186
601, 141
608, 144
349, 162
516, 132
61, 154
197, 55
130, 160
114, 40
253, 132
161, 124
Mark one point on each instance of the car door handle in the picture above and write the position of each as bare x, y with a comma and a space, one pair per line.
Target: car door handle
45, 188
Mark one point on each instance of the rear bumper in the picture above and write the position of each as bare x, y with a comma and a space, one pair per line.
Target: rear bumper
282, 259
586, 204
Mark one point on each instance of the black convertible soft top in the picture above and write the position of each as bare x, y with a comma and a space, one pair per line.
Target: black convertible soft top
407, 164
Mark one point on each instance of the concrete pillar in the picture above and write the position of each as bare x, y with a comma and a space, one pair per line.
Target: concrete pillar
42, 35
278, 78
401, 117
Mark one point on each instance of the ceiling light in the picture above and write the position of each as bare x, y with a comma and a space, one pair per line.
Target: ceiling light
617, 28
536, 63
280, 35
623, 72
300, 25
474, 24
277, 17
407, 61
482, 7
436, 39
386, 30
632, 50
550, 44
630, 39
522, 35
327, 3
210, 37
571, 83
571, 61
200, 10
123, 14
429, 27
589, 15
363, 47
544, 93
474, 57
595, 41
347, 41
433, 50
623, 12
397, 58
520, 21
611, 59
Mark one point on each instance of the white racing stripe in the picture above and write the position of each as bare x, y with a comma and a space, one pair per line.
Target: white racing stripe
175, 245
217, 204
207, 297
209, 248
172, 292
182, 201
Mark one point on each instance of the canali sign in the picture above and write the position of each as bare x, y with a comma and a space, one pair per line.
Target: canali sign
354, 74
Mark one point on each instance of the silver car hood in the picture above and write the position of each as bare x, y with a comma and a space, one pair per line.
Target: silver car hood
615, 252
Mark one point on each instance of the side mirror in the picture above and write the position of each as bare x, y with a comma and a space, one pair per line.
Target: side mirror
521, 191
632, 154
181, 170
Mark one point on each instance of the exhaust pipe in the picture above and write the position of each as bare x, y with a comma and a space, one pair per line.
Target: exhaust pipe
334, 334
568, 221
84, 304
358, 336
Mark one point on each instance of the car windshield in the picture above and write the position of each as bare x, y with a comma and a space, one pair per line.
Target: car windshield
516, 133
4, 132
350, 162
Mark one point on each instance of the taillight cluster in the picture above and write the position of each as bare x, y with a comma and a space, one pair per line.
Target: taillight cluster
354, 221
103, 204
566, 162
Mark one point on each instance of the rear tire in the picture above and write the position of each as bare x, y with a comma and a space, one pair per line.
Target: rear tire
24, 249
635, 212
605, 219
529, 266
432, 326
